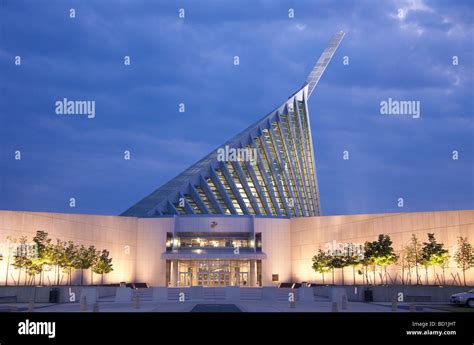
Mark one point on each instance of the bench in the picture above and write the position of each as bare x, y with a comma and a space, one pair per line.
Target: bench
8, 299
418, 299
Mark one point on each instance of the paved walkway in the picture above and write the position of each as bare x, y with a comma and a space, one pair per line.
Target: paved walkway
245, 306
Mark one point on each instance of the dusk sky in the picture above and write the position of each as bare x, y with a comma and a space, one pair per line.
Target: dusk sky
396, 49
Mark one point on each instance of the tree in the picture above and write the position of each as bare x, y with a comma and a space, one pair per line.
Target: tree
464, 256
337, 261
433, 254
85, 258
32, 270
412, 257
369, 257
103, 265
43, 252
68, 259
21, 258
321, 263
352, 259
380, 253
10, 242
55, 252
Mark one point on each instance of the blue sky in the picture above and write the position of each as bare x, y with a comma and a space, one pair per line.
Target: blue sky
190, 60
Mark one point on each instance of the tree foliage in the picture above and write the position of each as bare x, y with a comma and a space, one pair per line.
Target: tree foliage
464, 256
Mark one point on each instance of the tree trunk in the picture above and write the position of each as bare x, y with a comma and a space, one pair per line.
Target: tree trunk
464, 275
416, 271
375, 269
333, 276
102, 279
342, 268
354, 275
8, 266
82, 276
19, 276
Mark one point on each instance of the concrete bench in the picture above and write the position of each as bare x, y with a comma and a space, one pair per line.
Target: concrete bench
418, 299
8, 299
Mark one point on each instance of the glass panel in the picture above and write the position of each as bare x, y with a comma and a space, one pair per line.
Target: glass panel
192, 203
263, 185
240, 187
218, 195
266, 164
229, 191
214, 272
205, 199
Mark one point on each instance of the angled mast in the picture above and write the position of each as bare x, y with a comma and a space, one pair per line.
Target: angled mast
323, 61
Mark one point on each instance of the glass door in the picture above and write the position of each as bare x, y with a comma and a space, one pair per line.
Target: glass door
243, 279
184, 279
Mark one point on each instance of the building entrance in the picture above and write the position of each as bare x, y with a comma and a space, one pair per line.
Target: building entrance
214, 273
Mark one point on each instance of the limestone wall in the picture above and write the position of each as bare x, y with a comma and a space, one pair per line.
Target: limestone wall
116, 234
309, 234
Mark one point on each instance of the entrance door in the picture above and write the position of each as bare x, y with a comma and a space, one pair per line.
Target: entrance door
184, 279
242, 279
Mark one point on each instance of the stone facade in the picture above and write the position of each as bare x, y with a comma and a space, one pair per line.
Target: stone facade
137, 244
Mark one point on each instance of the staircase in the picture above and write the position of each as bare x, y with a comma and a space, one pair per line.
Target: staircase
214, 294
251, 294
173, 294
282, 294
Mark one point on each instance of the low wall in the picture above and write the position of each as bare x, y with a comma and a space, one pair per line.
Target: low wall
388, 293
67, 294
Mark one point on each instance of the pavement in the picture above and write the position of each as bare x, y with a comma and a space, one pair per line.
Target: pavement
225, 306
319, 304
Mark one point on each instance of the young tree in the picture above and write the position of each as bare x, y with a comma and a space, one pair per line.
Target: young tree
21, 258
433, 254
55, 251
103, 265
352, 259
85, 258
412, 257
94, 255
369, 258
43, 252
68, 259
380, 253
321, 263
464, 256
337, 261
32, 270
10, 243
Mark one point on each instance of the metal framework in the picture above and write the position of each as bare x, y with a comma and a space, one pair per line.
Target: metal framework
280, 180
323, 61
